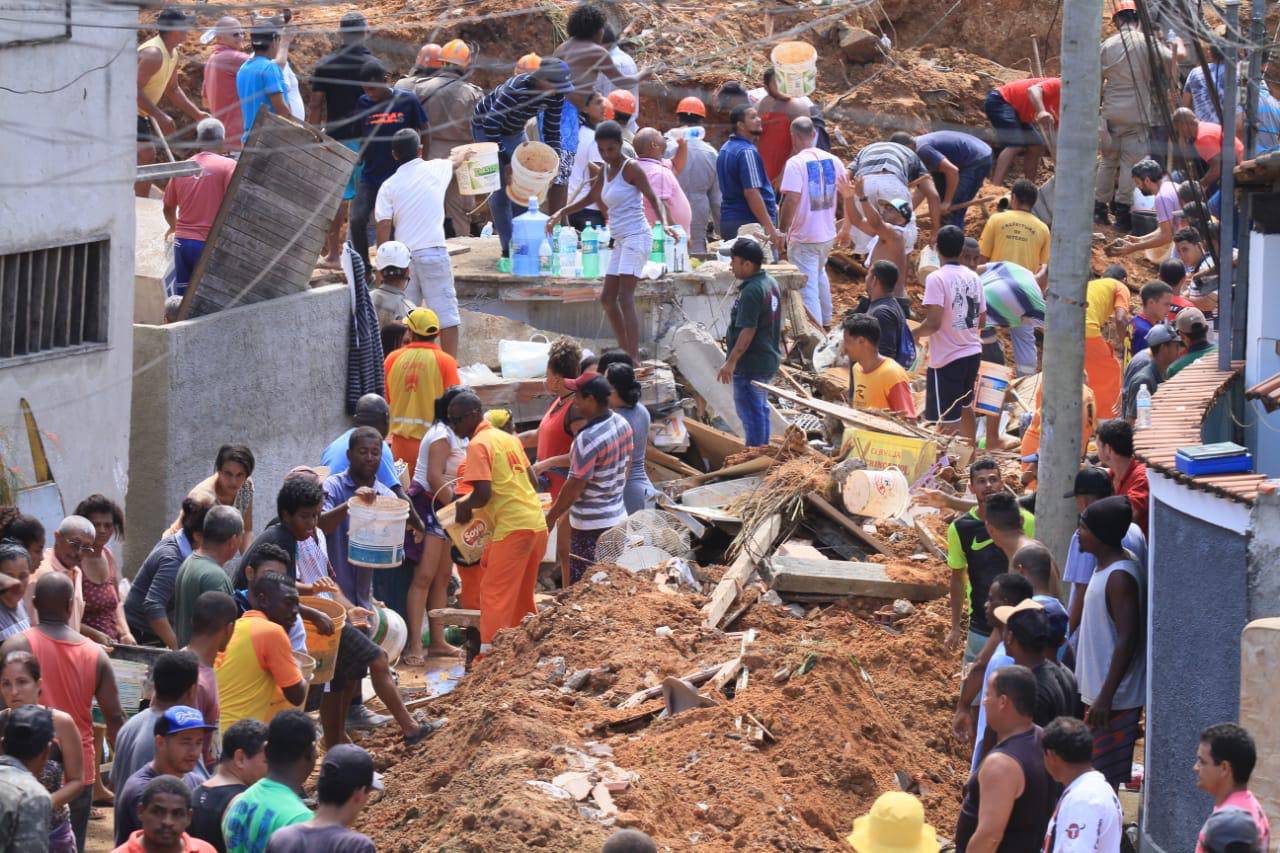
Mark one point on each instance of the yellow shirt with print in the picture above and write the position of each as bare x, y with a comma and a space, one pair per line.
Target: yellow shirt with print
499, 458
1016, 236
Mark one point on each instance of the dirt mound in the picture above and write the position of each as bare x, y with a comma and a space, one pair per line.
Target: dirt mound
846, 702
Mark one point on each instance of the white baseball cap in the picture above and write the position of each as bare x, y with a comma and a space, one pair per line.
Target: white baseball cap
392, 253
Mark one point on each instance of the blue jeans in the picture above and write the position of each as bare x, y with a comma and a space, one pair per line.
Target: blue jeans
499, 203
967, 186
752, 405
186, 254
359, 220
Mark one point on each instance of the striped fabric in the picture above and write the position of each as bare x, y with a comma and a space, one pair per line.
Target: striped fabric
888, 157
600, 456
1012, 293
1113, 745
364, 344
507, 109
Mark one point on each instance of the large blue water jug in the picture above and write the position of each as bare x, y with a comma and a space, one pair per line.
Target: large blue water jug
528, 230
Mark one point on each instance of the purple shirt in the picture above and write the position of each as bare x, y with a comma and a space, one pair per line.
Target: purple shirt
1167, 204
356, 582
959, 291
814, 175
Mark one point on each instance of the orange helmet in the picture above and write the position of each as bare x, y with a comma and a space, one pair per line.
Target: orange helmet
694, 106
456, 52
528, 62
429, 56
608, 111
623, 101
1124, 6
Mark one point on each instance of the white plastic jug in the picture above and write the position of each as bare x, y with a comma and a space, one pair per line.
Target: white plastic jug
524, 359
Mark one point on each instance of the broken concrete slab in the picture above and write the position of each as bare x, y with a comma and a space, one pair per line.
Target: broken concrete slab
699, 357
577, 783
149, 260
836, 577
799, 549
859, 45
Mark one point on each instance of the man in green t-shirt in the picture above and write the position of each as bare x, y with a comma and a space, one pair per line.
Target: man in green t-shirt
272, 802
754, 339
221, 535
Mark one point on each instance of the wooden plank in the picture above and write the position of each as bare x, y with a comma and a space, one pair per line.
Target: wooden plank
455, 616
713, 444
666, 460
844, 413
742, 469
926, 539
823, 506
258, 252
740, 570
836, 577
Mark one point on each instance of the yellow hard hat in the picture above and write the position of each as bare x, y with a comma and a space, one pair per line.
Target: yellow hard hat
528, 62
456, 52
895, 825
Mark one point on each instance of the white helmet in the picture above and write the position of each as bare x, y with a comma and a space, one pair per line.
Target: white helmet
392, 253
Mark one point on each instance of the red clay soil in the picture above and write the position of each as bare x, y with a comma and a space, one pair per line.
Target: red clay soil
699, 779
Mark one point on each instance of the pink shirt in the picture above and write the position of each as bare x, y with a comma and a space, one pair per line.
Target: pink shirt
959, 291
814, 175
665, 186
1247, 801
198, 197
220, 95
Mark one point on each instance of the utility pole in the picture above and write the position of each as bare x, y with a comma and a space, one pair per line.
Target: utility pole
1226, 273
1069, 272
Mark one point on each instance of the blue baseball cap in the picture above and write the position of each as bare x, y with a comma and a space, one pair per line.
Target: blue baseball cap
181, 718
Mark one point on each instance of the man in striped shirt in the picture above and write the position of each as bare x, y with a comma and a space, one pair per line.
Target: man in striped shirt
598, 465
501, 115
891, 170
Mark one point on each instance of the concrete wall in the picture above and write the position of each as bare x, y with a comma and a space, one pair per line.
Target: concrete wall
69, 162
271, 376
1198, 603
1262, 348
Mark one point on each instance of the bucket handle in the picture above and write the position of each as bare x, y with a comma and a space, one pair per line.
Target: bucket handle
536, 335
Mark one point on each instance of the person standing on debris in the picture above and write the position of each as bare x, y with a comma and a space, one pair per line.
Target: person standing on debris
335, 89
1128, 475
1156, 298
884, 231
975, 560
810, 182
1225, 760
346, 782
754, 340
501, 115
1164, 346
626, 65
746, 194
1111, 666
502, 486
878, 382
1015, 302
1017, 235
412, 204
955, 311
638, 493
599, 463
892, 170
1005, 520
1128, 114
959, 164
778, 114
257, 674
417, 375
384, 112
260, 82
1028, 639
157, 82
1196, 95
219, 87
388, 297
698, 177
449, 102
1088, 814
886, 309
1024, 115
191, 202
1106, 307
1007, 802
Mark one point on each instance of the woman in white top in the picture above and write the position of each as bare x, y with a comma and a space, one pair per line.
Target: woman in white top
439, 455
620, 189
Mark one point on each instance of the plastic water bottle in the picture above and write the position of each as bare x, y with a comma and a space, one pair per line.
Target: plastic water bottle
677, 255
544, 258
590, 252
528, 230
1143, 420
568, 249
606, 249
487, 230
658, 253
695, 133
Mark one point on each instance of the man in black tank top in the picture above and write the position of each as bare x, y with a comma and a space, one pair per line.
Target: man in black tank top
1008, 801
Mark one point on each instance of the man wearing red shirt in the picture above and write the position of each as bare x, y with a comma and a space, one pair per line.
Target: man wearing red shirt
776, 112
191, 202
1207, 139
1128, 475
1023, 114
219, 89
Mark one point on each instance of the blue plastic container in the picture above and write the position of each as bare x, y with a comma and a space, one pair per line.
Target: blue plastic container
528, 230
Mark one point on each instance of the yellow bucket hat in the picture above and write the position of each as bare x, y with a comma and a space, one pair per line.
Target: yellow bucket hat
895, 825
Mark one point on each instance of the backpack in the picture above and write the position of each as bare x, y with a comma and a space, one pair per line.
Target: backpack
906, 354
820, 125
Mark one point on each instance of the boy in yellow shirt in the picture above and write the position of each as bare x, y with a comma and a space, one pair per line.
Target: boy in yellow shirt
878, 382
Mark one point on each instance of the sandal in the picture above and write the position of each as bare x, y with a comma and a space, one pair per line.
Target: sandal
414, 661
425, 731
97, 814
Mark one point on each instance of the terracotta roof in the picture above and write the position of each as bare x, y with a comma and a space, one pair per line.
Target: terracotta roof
1266, 392
1178, 410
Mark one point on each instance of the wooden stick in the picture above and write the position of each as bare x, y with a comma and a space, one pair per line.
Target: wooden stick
751, 466
755, 550
821, 505
666, 460
926, 539
695, 678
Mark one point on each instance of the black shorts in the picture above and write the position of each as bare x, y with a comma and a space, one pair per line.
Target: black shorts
146, 131
355, 652
1010, 131
949, 389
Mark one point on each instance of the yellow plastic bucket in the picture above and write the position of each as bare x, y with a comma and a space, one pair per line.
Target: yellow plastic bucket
796, 64
479, 174
324, 649
533, 165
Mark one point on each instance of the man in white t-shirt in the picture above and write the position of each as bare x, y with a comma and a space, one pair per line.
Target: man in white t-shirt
1087, 817
411, 202
811, 181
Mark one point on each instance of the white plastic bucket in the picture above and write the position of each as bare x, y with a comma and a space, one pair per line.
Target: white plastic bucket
877, 494
929, 262
389, 631
993, 384
376, 536
796, 63
533, 165
524, 359
479, 174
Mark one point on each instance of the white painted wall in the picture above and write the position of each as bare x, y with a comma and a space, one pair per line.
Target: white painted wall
67, 148
1262, 349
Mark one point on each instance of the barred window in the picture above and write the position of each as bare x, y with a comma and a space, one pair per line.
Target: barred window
53, 299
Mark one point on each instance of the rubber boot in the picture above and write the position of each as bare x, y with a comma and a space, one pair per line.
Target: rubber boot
1100, 214
1124, 221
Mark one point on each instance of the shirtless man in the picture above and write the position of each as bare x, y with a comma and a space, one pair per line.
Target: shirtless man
883, 229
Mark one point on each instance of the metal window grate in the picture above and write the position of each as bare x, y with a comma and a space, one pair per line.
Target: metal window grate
52, 299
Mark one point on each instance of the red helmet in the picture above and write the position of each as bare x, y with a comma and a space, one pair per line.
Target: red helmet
1124, 6
528, 62
623, 101
429, 56
694, 106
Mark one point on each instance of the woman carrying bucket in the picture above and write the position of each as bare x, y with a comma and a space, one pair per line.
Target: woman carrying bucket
620, 189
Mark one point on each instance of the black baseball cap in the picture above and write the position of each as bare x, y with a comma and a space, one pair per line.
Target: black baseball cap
30, 724
1094, 481
350, 765
171, 18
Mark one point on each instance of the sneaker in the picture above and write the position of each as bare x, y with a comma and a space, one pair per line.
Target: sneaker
360, 717
1101, 213
425, 731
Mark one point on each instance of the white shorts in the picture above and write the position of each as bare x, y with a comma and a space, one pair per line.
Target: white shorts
431, 284
629, 254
